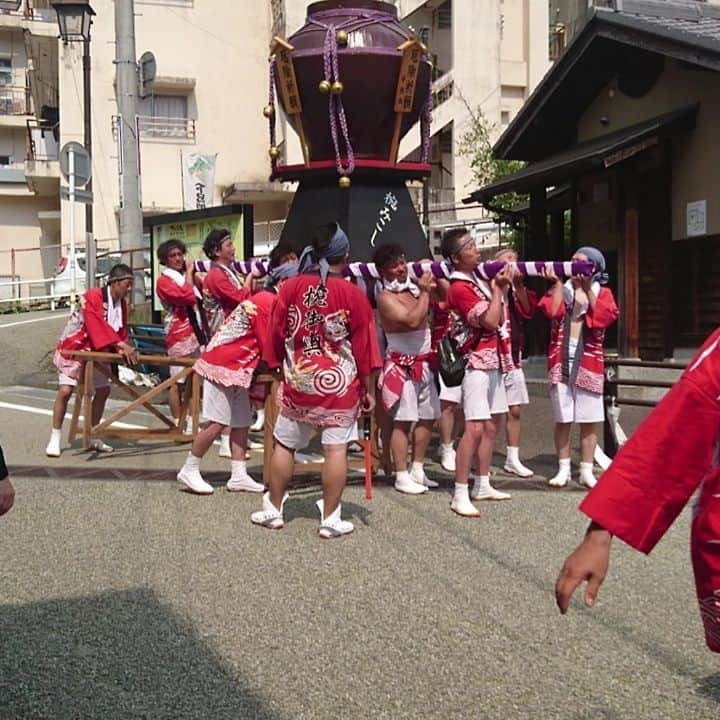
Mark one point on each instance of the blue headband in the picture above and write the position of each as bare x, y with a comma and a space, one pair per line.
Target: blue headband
339, 245
280, 272
598, 260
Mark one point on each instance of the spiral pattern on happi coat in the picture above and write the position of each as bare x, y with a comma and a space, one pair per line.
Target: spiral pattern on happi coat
331, 381
294, 318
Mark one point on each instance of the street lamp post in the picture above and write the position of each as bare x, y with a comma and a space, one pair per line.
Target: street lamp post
74, 20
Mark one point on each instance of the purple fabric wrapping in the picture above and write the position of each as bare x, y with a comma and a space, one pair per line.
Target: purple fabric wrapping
486, 271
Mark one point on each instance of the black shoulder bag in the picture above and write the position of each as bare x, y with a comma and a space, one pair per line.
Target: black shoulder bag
452, 363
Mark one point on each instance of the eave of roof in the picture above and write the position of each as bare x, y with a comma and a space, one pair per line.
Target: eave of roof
589, 155
665, 38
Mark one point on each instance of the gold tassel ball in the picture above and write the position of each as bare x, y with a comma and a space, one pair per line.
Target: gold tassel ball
344, 181
324, 87
274, 152
337, 87
268, 111
342, 37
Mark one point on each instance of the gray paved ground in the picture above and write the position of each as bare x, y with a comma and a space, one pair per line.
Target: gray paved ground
121, 597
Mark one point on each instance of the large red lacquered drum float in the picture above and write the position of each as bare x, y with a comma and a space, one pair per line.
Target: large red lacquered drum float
352, 82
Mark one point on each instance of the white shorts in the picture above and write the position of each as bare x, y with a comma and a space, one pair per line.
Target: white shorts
450, 394
576, 405
516, 387
295, 435
419, 400
99, 380
228, 406
483, 394
175, 369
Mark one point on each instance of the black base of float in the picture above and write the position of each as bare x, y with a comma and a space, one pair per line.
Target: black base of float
372, 212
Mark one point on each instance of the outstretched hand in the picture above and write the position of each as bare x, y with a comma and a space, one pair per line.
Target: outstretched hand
589, 562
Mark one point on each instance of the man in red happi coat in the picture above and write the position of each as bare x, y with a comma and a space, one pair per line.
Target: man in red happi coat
179, 297
580, 311
670, 456
323, 335
99, 323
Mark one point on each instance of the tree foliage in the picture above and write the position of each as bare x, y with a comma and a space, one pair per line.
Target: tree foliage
475, 145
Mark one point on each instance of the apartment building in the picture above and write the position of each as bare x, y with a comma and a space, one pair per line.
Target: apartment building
208, 95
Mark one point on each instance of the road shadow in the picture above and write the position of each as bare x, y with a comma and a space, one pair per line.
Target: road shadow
710, 687
114, 655
302, 505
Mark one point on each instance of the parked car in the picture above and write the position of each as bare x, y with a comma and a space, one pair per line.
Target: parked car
62, 283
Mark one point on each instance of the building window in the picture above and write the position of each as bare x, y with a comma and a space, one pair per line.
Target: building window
504, 117
444, 15
166, 116
6, 160
5, 72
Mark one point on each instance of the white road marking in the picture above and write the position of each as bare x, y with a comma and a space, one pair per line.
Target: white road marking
27, 322
42, 411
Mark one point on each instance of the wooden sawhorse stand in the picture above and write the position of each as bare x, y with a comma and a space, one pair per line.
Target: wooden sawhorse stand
84, 393
271, 413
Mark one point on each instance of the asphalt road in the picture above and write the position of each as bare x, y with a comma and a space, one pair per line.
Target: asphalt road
121, 597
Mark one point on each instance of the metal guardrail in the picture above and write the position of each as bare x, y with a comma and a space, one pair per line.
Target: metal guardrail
612, 395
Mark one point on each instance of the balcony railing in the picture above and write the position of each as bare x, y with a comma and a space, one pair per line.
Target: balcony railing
14, 100
42, 140
163, 127
32, 10
442, 89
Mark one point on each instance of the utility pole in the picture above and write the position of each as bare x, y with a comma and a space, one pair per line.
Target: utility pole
90, 247
126, 90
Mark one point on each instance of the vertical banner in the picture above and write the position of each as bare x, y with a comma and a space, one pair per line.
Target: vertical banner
198, 179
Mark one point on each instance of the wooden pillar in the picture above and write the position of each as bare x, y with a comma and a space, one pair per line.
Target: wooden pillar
557, 236
537, 226
630, 267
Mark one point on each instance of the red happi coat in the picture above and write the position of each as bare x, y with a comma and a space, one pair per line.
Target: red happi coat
324, 338
590, 375
223, 291
510, 332
178, 301
468, 299
672, 454
234, 352
87, 329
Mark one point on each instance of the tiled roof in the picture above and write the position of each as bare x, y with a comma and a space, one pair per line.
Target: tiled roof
695, 20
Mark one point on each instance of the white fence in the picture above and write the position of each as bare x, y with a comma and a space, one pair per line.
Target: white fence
30, 277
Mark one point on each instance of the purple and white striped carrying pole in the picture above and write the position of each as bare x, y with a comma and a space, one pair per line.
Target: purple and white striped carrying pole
485, 271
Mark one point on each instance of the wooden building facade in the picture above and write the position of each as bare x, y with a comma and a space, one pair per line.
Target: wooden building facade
623, 133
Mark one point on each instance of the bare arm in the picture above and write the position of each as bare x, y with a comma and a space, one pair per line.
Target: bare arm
490, 319
557, 290
394, 312
520, 290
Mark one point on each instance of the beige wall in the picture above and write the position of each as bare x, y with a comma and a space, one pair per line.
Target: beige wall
20, 230
695, 155
223, 48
